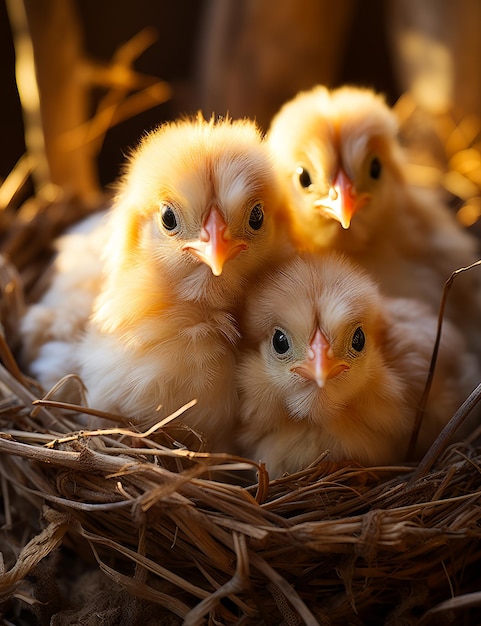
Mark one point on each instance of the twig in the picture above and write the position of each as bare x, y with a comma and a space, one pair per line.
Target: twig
111, 431
422, 404
443, 438
288, 591
109, 110
9, 361
238, 583
91, 134
49, 47
37, 549
28, 91
16, 179
24, 394
448, 606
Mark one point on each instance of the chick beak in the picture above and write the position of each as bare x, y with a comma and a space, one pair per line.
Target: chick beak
215, 245
320, 363
340, 203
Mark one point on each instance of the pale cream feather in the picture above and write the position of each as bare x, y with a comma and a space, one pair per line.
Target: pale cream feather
52, 326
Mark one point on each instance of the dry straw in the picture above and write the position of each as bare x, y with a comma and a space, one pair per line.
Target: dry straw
124, 527
134, 526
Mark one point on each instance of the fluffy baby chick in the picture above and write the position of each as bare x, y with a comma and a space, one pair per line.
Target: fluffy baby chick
196, 215
329, 363
343, 174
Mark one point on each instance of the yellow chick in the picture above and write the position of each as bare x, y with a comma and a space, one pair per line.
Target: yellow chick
344, 177
197, 214
329, 363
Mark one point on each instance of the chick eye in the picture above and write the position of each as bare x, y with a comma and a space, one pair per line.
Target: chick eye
169, 218
304, 177
358, 339
280, 342
256, 217
375, 168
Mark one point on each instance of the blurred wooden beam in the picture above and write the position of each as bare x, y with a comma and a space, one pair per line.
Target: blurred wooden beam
48, 42
256, 54
437, 53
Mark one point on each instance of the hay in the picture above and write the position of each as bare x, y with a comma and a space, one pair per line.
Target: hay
128, 527
117, 526
332, 544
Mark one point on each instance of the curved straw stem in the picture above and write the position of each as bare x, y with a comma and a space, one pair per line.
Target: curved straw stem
422, 404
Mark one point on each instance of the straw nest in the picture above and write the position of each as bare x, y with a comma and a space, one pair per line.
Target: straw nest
123, 527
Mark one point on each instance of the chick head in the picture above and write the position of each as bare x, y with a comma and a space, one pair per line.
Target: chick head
199, 200
337, 154
316, 325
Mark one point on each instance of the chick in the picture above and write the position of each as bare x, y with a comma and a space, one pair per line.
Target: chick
343, 172
329, 363
196, 215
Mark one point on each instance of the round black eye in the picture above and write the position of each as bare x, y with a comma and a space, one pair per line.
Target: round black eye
304, 178
358, 339
375, 168
256, 217
280, 342
169, 218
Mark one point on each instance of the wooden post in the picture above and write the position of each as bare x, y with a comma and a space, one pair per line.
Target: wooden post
49, 50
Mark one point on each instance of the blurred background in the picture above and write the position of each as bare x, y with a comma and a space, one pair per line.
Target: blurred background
107, 71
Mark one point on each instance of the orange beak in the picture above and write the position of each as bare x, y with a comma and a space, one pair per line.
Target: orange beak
320, 364
215, 245
340, 203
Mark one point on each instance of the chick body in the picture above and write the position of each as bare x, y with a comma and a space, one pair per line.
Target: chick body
329, 363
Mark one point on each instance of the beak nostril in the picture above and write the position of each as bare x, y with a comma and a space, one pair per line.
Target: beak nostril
320, 363
215, 245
